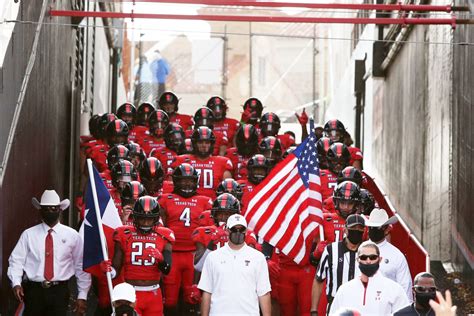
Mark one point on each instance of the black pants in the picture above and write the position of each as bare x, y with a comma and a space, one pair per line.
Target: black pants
51, 301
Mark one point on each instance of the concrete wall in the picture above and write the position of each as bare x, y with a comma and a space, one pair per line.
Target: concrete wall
407, 135
39, 158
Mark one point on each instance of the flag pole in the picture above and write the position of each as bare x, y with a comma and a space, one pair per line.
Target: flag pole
103, 243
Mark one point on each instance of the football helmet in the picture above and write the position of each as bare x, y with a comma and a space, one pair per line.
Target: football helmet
231, 186
224, 206
185, 180
218, 106
258, 168
203, 140
346, 198
269, 124
246, 140
143, 111
146, 214
338, 157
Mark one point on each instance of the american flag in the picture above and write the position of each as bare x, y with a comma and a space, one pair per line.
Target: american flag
285, 209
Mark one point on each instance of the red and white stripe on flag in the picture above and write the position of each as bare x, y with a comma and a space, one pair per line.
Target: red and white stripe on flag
283, 210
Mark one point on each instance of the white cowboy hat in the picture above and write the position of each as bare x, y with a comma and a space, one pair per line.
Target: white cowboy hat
378, 217
50, 198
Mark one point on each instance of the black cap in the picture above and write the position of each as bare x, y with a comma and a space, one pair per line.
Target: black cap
355, 219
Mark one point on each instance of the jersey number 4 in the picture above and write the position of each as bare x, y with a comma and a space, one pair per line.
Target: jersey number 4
137, 251
185, 217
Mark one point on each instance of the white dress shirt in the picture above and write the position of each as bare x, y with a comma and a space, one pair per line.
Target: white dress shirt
382, 296
29, 257
235, 279
395, 267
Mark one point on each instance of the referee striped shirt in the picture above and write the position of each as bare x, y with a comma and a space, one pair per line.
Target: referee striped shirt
337, 266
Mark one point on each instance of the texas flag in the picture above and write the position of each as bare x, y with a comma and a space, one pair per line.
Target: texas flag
90, 229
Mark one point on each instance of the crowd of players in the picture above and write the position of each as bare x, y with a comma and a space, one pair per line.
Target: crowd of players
175, 179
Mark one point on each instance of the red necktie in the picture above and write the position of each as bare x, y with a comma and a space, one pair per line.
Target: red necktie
49, 257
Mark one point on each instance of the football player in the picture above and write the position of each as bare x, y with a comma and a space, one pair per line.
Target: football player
174, 139
246, 142
270, 126
335, 130
142, 254
157, 122
180, 212
168, 102
205, 117
211, 169
222, 123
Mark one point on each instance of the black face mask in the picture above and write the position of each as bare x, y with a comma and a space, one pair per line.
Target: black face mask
423, 299
237, 238
376, 234
369, 269
49, 218
354, 236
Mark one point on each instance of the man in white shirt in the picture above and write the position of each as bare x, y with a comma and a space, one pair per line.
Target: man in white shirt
49, 254
371, 293
394, 265
235, 277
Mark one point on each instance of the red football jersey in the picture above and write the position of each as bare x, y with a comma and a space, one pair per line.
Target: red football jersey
182, 217
328, 183
211, 171
106, 177
98, 154
149, 142
239, 162
166, 157
229, 126
137, 133
356, 154
286, 141
333, 227
186, 121
136, 266
203, 235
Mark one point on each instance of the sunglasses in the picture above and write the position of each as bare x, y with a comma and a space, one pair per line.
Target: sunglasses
371, 257
424, 289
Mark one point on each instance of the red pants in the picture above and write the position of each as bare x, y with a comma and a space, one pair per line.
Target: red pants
180, 276
149, 303
294, 290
